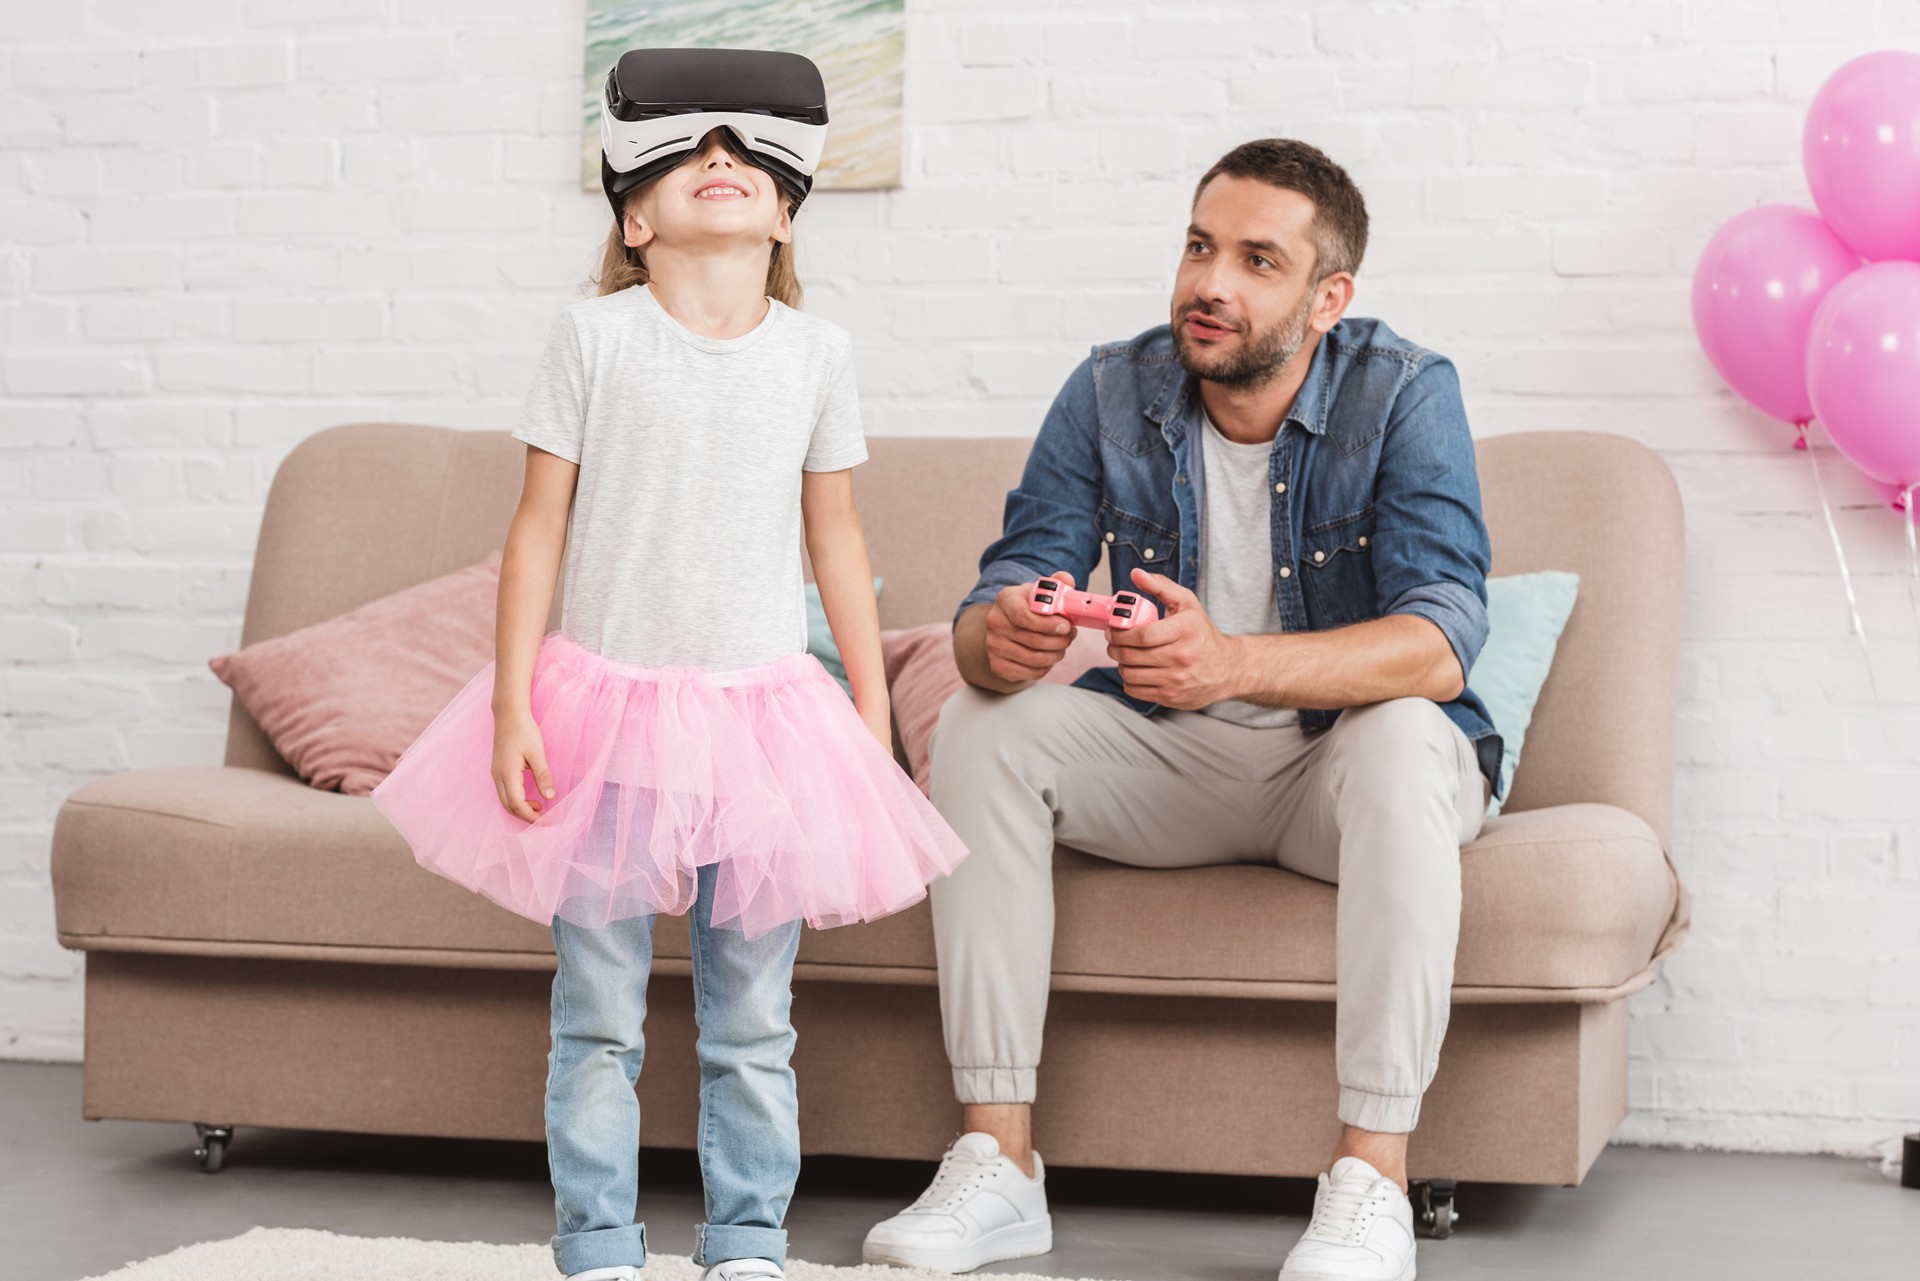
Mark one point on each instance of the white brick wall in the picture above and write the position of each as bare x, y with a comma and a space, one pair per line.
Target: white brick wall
225, 224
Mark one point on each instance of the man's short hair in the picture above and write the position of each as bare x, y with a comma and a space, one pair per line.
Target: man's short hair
1339, 212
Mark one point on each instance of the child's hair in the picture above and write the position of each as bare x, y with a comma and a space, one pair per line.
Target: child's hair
622, 267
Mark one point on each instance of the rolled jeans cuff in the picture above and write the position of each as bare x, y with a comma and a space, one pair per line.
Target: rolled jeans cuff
1381, 1113
718, 1242
601, 1248
994, 1084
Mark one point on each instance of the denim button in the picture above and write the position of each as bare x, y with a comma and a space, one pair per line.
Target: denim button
1318, 557
1109, 535
1146, 554
1286, 571
1280, 487
1363, 540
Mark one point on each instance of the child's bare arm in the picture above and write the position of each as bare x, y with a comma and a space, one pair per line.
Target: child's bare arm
845, 577
529, 573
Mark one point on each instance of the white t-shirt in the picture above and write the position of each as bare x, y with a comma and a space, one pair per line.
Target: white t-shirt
1236, 556
683, 547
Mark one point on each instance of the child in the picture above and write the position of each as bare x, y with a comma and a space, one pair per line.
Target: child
684, 750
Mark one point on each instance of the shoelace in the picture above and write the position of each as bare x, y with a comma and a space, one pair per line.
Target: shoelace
1338, 1214
956, 1173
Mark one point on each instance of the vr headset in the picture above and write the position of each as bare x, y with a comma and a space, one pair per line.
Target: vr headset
660, 103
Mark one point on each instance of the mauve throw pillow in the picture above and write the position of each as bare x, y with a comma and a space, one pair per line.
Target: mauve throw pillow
342, 699
922, 676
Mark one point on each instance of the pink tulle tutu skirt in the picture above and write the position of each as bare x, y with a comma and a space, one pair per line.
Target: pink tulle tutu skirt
766, 771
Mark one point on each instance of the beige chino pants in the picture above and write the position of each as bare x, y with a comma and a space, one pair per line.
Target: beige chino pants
1379, 804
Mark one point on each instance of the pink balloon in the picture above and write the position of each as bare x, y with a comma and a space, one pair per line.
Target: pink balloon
1861, 152
1863, 370
1755, 289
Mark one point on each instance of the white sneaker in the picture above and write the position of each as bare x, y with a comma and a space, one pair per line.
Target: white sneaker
743, 1270
980, 1208
1361, 1230
619, 1272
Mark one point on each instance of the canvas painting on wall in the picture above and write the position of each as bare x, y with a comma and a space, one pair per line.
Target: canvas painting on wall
859, 46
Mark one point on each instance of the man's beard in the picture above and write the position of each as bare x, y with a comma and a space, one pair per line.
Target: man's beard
1260, 358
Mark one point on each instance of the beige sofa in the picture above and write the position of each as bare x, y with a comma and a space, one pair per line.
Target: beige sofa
262, 953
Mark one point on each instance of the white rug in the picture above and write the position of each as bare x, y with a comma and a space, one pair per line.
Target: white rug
305, 1254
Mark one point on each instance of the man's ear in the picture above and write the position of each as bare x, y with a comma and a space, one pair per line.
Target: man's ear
1332, 297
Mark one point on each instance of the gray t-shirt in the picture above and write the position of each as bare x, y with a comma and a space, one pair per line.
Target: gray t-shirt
1236, 556
683, 547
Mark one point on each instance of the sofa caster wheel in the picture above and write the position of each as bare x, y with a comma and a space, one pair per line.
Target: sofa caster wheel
1433, 1206
212, 1152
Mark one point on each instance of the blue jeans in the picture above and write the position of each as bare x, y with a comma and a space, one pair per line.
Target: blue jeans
749, 1135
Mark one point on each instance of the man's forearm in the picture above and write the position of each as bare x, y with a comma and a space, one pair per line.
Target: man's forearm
970, 652
1399, 656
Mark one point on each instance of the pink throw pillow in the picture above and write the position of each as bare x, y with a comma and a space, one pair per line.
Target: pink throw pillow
343, 698
922, 676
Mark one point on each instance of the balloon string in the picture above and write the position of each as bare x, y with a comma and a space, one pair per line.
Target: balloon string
1913, 553
1840, 555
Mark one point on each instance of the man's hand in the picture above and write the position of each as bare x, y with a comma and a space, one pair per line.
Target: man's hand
1023, 645
1180, 659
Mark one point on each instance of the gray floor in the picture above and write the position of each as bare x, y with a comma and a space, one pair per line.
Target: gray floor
78, 1199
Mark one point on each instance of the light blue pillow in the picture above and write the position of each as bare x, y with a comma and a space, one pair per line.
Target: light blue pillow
820, 636
1525, 615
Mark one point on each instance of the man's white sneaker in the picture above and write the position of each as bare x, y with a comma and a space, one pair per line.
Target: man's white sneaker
619, 1272
744, 1270
1361, 1230
979, 1209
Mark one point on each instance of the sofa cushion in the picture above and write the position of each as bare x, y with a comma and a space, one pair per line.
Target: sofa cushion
243, 855
342, 699
1525, 615
1569, 899
922, 675
1575, 898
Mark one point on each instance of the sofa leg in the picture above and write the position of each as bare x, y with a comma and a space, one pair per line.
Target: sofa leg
212, 1152
1433, 1206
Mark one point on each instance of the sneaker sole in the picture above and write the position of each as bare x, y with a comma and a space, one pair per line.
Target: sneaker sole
1015, 1241
1407, 1274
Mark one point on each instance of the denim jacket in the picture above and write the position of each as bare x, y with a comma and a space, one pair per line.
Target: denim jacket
1376, 511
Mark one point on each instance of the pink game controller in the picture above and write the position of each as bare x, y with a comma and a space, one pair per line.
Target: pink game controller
1120, 610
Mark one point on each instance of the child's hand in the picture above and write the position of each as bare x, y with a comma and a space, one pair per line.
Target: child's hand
517, 747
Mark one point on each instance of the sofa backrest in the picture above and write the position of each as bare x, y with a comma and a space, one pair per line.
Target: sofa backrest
1607, 508
358, 511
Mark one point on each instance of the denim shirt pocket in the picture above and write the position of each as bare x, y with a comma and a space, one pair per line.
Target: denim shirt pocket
1336, 566
1133, 540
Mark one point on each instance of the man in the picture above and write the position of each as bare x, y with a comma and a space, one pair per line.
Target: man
1297, 493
